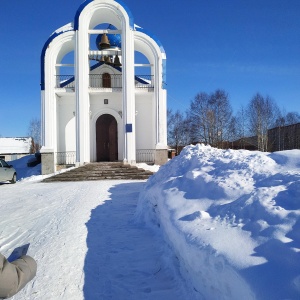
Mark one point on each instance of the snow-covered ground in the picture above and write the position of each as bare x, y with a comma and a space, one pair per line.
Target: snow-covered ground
210, 224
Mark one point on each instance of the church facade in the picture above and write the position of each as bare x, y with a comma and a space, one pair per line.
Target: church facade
103, 95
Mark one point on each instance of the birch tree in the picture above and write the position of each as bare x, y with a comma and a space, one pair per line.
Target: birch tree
262, 114
34, 131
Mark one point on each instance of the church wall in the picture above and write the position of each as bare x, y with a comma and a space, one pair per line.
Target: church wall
69, 119
97, 102
145, 122
66, 129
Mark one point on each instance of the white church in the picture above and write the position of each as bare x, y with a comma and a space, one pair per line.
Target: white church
103, 95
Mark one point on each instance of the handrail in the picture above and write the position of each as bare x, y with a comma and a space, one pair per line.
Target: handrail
105, 81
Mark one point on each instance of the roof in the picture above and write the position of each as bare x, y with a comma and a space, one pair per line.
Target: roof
15, 145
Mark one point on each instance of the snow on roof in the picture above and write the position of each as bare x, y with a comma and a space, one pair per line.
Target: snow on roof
15, 145
67, 27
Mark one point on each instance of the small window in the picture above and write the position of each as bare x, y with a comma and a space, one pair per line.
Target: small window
106, 80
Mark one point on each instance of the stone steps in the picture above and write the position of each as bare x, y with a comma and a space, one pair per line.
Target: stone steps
102, 171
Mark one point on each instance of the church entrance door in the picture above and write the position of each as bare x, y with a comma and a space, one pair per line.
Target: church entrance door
107, 138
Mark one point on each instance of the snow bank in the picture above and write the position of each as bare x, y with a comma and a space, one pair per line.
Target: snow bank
23, 171
232, 218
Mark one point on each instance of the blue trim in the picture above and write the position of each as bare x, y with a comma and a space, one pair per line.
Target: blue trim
95, 66
153, 37
87, 2
79, 11
67, 82
51, 38
48, 42
140, 80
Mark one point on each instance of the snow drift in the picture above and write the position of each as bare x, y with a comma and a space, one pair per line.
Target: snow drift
232, 218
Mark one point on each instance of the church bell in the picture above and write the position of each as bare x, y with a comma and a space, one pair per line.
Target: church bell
117, 61
104, 44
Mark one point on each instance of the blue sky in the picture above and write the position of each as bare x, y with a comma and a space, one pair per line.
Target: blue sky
241, 46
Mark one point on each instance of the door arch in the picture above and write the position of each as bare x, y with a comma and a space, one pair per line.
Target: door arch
106, 80
106, 138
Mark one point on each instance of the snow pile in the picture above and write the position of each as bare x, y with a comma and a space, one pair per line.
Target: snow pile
23, 171
232, 218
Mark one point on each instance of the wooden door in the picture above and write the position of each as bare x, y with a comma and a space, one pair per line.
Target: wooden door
107, 138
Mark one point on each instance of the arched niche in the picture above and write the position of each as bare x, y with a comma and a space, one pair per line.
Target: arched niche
65, 48
66, 65
143, 45
94, 36
142, 64
105, 15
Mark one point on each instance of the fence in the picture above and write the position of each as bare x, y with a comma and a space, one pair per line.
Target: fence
105, 81
69, 158
66, 158
145, 155
65, 81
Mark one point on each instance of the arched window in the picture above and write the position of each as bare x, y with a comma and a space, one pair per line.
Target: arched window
106, 80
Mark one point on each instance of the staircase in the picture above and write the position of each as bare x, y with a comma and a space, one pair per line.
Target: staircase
102, 171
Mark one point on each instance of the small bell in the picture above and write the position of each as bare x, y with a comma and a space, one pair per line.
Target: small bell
107, 60
117, 61
104, 44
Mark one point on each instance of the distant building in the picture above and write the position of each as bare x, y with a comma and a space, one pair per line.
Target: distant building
247, 143
14, 148
103, 89
284, 137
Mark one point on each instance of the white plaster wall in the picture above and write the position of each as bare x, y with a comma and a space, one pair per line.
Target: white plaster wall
66, 129
97, 101
145, 123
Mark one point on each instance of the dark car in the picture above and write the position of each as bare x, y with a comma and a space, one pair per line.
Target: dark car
7, 172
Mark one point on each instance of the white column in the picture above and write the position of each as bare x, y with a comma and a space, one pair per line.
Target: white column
49, 105
161, 106
128, 95
82, 98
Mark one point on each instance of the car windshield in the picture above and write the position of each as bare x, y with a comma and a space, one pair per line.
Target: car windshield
3, 164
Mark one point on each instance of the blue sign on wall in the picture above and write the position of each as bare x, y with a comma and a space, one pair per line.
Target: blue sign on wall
128, 127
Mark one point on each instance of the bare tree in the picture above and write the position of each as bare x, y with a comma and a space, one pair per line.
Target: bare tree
232, 134
178, 132
34, 131
221, 107
199, 116
262, 115
241, 126
292, 118
210, 117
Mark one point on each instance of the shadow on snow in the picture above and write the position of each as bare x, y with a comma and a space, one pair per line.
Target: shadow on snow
118, 264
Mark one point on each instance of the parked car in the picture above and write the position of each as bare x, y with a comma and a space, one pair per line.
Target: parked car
7, 172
